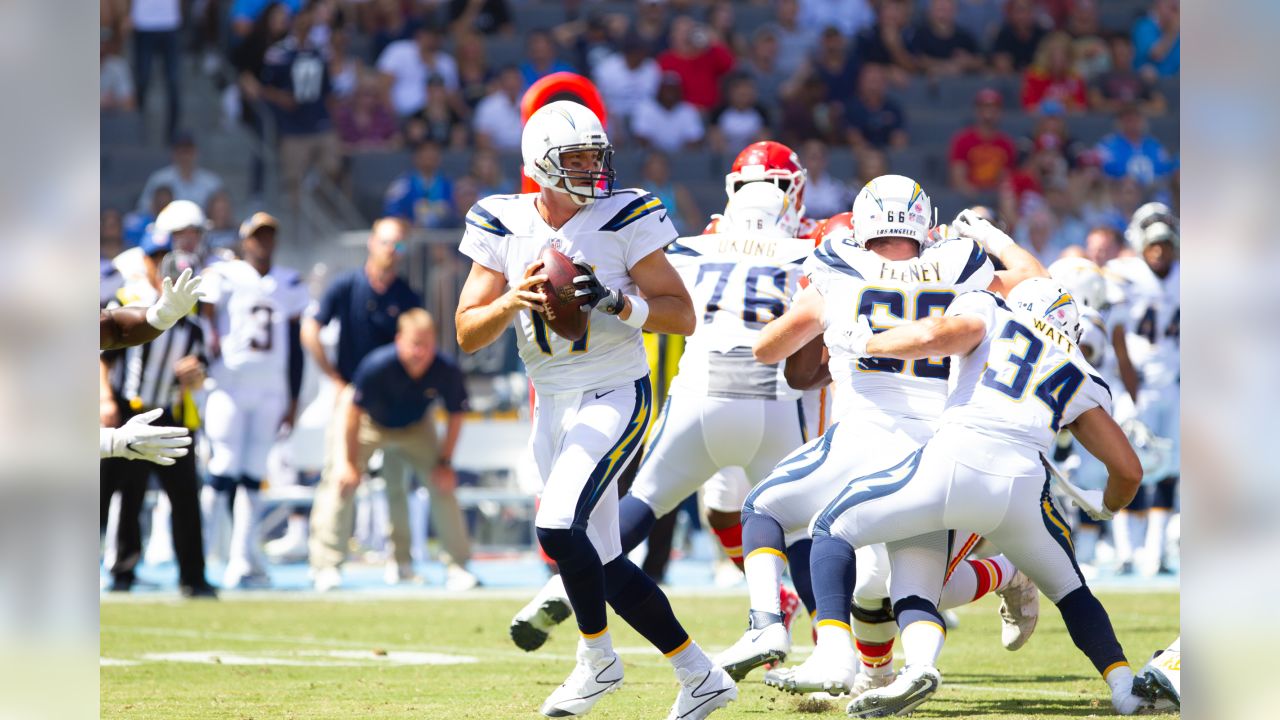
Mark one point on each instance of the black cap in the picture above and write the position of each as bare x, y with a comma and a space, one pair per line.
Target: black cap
183, 138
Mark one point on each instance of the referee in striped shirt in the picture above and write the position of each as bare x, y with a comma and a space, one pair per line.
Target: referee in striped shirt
164, 373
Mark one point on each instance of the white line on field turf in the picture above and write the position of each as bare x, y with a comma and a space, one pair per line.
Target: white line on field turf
1019, 690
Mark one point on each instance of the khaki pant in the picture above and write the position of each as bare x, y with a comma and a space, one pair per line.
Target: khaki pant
332, 516
299, 153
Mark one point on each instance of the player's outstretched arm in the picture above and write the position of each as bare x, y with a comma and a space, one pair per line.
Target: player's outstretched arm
669, 305
931, 337
485, 310
1019, 263
125, 327
797, 327
1098, 432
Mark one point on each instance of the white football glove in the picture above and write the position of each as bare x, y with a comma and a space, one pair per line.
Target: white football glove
976, 228
177, 298
852, 340
138, 439
1090, 501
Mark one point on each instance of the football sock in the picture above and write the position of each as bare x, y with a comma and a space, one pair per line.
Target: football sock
974, 578
831, 565
923, 630
835, 635
689, 657
1090, 629
641, 603
1121, 532
764, 579
1157, 523
599, 641
582, 573
244, 530
798, 555
635, 520
877, 658
731, 540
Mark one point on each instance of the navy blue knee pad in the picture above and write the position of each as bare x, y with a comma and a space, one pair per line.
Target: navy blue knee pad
570, 548
580, 569
914, 608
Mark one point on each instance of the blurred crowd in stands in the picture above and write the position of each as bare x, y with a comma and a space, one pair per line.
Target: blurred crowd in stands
980, 98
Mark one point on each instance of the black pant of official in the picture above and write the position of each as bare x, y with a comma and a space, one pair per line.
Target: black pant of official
179, 482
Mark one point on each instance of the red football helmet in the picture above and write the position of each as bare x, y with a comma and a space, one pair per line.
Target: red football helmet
837, 227
771, 161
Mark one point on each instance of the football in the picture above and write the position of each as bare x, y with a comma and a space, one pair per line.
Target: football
564, 315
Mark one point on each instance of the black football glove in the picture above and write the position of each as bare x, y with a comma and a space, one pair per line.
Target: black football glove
609, 301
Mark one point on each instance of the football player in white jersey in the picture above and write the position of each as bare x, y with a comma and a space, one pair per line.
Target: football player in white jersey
1146, 338
724, 411
1018, 377
883, 408
593, 396
253, 310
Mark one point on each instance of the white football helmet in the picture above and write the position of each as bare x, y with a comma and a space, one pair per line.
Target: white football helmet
563, 127
1045, 299
761, 208
892, 205
180, 215
1152, 223
1083, 278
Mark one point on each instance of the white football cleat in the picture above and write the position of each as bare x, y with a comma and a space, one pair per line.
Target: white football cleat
769, 644
550, 607
326, 579
881, 677
1019, 611
598, 673
914, 685
395, 573
826, 671
460, 579
1126, 702
702, 692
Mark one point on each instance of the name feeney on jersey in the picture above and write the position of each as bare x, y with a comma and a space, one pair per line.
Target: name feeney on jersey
505, 233
252, 314
1151, 313
854, 282
738, 283
1024, 381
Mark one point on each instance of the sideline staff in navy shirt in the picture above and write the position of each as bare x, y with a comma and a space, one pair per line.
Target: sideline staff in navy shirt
387, 407
367, 303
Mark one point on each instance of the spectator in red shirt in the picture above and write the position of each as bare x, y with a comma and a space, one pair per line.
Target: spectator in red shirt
982, 155
1051, 76
699, 59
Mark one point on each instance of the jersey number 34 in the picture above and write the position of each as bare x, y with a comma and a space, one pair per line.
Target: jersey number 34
1012, 375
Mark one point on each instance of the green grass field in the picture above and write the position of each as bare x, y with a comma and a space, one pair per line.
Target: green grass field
308, 638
